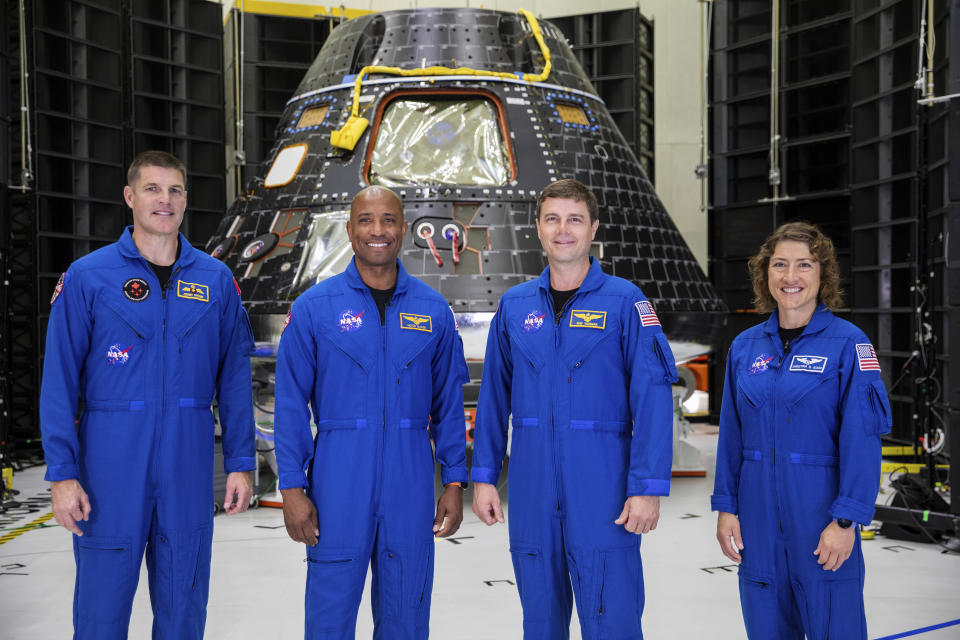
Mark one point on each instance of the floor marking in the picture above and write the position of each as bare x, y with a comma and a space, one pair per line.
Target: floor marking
490, 583
921, 630
726, 568
688, 516
19, 531
457, 540
263, 526
896, 548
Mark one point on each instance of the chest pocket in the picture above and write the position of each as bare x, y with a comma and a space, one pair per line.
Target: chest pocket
199, 321
343, 375
527, 367
751, 395
418, 348
120, 360
805, 388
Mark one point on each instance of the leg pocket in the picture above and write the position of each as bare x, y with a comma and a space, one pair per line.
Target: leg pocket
846, 618
403, 582
758, 603
528, 566
334, 587
620, 603
106, 579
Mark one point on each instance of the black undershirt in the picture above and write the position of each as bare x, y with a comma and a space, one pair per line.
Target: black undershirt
560, 300
789, 335
163, 273
382, 297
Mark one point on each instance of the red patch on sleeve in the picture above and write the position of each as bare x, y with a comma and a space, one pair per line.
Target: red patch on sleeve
237, 286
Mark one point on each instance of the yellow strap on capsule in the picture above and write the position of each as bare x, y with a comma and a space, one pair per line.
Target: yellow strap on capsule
349, 134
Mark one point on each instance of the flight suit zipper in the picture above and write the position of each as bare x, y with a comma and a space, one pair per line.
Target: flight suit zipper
384, 378
558, 323
776, 475
163, 365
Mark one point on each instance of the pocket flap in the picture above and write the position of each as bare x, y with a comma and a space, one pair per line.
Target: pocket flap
664, 354
880, 407
141, 331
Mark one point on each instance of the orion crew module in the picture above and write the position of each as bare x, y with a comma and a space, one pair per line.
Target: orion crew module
466, 114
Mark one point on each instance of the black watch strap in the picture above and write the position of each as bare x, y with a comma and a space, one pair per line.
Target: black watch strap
843, 523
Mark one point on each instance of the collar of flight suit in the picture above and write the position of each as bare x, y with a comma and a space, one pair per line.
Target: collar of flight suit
818, 322
128, 248
355, 281
593, 280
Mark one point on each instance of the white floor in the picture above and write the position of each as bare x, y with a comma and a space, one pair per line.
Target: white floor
258, 577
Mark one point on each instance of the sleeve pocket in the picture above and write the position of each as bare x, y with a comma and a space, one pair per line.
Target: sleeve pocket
877, 419
663, 354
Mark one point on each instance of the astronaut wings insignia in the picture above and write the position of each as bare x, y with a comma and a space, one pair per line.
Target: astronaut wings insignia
416, 322
584, 319
810, 364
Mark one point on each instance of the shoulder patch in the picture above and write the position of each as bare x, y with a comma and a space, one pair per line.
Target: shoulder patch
586, 319
867, 357
237, 285
648, 316
416, 322
193, 291
57, 290
456, 325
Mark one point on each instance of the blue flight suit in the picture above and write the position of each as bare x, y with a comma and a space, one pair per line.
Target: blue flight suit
592, 411
800, 446
379, 394
146, 364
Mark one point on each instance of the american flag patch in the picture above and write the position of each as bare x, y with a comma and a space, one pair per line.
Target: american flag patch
647, 316
867, 358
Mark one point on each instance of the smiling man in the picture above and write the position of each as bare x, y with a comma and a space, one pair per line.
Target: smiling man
145, 332
377, 355
577, 358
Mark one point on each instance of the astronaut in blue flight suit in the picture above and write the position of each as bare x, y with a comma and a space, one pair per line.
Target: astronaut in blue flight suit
145, 338
380, 389
579, 359
798, 460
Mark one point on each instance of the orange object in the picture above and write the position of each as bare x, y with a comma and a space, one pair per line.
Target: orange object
699, 370
469, 416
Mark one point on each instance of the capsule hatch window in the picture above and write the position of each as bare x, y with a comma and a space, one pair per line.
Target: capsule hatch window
440, 139
285, 165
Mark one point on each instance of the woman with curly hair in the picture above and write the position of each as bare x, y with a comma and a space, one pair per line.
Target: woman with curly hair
798, 460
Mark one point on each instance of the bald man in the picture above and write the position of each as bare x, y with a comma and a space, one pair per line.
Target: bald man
377, 356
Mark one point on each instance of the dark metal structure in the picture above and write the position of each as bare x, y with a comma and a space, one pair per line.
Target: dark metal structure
857, 154
615, 50
107, 79
286, 231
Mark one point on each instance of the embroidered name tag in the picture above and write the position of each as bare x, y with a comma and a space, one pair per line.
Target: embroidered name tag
193, 291
416, 323
582, 319
810, 364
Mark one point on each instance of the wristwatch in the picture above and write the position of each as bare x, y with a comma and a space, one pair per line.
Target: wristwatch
843, 523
